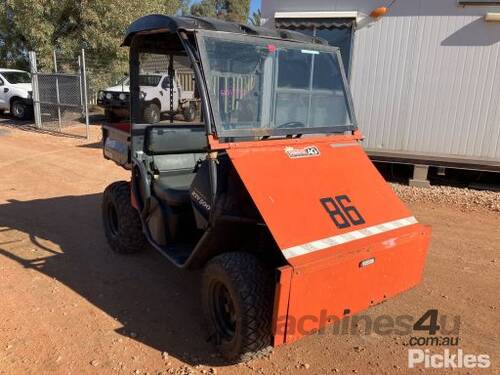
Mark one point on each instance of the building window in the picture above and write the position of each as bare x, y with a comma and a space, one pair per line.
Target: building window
337, 32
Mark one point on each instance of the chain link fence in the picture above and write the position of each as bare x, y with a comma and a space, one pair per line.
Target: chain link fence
60, 97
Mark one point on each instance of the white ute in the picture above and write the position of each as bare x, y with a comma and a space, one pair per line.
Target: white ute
155, 97
16, 93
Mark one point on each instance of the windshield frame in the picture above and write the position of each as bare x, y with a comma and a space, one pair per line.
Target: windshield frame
261, 132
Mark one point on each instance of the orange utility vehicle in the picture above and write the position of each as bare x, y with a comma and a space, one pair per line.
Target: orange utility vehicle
268, 189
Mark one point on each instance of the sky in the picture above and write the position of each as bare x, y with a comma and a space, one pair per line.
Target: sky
254, 5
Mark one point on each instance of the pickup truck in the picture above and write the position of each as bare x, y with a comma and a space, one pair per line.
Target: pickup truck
155, 96
16, 93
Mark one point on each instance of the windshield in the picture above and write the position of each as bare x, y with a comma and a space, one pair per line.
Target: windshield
261, 84
149, 80
17, 77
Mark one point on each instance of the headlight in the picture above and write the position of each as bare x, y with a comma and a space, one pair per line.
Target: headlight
122, 96
109, 96
142, 95
100, 95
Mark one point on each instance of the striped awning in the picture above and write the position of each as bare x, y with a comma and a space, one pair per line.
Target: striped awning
309, 23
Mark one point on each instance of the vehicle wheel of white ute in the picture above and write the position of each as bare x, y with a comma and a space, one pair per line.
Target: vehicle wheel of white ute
152, 113
19, 110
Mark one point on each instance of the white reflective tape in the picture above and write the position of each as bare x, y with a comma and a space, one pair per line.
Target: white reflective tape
339, 239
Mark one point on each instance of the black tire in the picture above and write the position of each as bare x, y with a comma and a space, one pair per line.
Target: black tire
189, 112
237, 298
122, 225
152, 113
20, 110
110, 116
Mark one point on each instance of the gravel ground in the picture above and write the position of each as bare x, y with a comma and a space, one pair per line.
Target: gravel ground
462, 198
68, 305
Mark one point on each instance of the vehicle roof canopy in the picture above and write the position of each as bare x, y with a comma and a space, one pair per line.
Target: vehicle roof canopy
171, 24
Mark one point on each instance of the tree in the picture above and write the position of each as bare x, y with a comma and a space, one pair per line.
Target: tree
256, 18
229, 10
205, 8
67, 26
185, 8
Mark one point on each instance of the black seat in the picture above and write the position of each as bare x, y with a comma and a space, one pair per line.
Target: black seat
173, 188
176, 173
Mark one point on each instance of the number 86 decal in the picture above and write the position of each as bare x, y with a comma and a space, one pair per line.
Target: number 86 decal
342, 214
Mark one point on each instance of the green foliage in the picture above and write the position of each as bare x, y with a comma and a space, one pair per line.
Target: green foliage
185, 8
229, 10
67, 26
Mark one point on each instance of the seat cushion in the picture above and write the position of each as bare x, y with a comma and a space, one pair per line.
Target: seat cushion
174, 188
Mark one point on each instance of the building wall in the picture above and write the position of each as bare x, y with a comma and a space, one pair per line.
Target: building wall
425, 78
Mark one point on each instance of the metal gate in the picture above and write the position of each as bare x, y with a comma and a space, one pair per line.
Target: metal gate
60, 98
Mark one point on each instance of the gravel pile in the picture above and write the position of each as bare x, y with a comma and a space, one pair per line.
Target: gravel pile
462, 198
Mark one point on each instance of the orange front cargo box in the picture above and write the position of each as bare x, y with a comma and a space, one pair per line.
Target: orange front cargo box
348, 240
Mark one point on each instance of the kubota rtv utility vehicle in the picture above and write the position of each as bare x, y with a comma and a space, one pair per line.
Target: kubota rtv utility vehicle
268, 190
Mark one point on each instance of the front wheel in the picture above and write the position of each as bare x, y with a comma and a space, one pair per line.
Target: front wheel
237, 298
110, 116
20, 110
122, 225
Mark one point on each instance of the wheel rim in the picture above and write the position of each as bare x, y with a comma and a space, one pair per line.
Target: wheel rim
112, 217
18, 110
223, 311
155, 116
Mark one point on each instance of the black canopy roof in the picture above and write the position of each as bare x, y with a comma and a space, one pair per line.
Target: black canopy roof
173, 24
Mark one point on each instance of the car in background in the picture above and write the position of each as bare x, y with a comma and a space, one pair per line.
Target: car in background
155, 98
16, 93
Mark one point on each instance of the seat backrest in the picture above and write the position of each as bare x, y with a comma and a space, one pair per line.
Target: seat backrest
175, 139
177, 163
175, 148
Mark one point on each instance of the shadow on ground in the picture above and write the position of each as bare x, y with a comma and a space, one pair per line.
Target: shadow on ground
50, 127
154, 301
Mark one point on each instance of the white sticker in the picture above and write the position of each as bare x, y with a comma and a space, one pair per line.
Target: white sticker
306, 152
309, 52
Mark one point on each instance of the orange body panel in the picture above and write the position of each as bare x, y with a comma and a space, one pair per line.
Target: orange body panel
289, 182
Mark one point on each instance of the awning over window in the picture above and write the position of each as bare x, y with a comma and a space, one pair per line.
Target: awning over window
309, 23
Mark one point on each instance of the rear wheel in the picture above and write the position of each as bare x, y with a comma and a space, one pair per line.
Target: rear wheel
189, 112
122, 225
152, 113
237, 298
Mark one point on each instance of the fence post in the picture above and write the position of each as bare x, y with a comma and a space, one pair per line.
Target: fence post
83, 73
57, 93
34, 87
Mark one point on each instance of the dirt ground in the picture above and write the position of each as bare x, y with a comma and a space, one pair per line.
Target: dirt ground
68, 305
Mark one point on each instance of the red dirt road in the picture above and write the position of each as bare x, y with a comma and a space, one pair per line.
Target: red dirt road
68, 305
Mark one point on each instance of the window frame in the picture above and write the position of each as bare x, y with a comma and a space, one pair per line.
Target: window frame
223, 133
314, 29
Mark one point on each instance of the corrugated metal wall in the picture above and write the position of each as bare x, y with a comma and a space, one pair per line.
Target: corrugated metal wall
425, 79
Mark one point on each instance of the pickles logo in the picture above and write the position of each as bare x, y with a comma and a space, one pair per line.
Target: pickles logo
448, 359
306, 152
